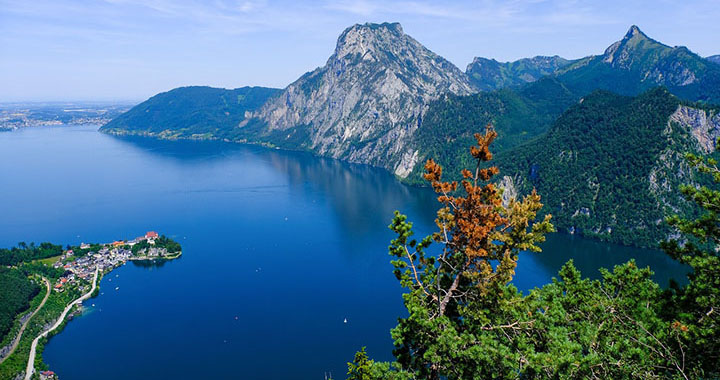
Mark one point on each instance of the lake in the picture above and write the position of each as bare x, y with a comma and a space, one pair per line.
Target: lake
278, 249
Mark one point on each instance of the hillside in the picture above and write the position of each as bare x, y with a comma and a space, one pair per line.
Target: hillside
518, 115
714, 58
610, 165
489, 74
190, 112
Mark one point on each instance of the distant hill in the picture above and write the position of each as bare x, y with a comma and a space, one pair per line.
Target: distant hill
637, 63
610, 166
714, 58
489, 74
191, 112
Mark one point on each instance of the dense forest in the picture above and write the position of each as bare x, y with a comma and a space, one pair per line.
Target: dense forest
467, 321
17, 291
191, 112
518, 115
609, 167
28, 252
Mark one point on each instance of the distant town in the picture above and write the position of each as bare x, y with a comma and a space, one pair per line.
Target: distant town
81, 261
22, 115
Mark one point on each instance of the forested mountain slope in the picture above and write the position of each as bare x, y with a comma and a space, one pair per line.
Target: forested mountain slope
611, 165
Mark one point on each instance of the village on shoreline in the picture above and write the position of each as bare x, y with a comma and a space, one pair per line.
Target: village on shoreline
73, 276
80, 262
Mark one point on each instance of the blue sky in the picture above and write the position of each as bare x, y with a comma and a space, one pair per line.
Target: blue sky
132, 49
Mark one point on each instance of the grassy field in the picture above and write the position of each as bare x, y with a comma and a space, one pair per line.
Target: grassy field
49, 261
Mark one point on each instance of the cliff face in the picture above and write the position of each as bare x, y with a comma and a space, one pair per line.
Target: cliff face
366, 102
703, 125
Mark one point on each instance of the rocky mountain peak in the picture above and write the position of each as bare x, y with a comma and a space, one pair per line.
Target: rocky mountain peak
633, 43
368, 99
635, 32
366, 41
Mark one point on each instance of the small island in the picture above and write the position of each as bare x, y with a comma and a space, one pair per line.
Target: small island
49, 284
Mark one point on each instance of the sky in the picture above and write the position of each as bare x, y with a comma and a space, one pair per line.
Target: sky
129, 50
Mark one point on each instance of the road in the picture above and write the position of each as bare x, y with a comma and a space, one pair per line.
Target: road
33, 348
22, 328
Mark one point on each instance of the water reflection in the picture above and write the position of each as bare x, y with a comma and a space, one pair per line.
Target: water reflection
364, 197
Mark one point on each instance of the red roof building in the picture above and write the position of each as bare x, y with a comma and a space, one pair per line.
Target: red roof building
151, 235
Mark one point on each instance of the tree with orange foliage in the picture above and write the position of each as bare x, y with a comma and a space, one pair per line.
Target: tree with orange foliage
466, 320
480, 240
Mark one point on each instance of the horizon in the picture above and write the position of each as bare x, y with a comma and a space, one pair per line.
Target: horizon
128, 50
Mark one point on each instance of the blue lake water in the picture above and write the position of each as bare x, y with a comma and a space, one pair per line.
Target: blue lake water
278, 249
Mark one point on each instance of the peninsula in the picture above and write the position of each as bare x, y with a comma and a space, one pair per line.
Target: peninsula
68, 277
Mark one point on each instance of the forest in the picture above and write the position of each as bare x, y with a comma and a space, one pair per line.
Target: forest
466, 320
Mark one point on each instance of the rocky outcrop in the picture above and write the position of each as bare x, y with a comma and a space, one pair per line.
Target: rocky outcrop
509, 189
366, 102
703, 125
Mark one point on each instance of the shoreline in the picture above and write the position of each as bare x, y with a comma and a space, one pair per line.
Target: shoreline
76, 278
62, 319
33, 347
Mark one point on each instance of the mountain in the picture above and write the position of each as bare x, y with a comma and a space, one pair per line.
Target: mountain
610, 166
518, 114
489, 74
190, 112
714, 58
365, 104
637, 63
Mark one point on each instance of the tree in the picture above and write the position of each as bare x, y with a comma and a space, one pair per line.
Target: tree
480, 240
467, 321
696, 306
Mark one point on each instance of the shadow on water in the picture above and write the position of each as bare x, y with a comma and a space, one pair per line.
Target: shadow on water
149, 264
353, 190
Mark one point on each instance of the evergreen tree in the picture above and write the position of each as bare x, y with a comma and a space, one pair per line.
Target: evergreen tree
467, 321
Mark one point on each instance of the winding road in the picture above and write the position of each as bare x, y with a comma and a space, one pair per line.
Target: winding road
22, 329
33, 348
